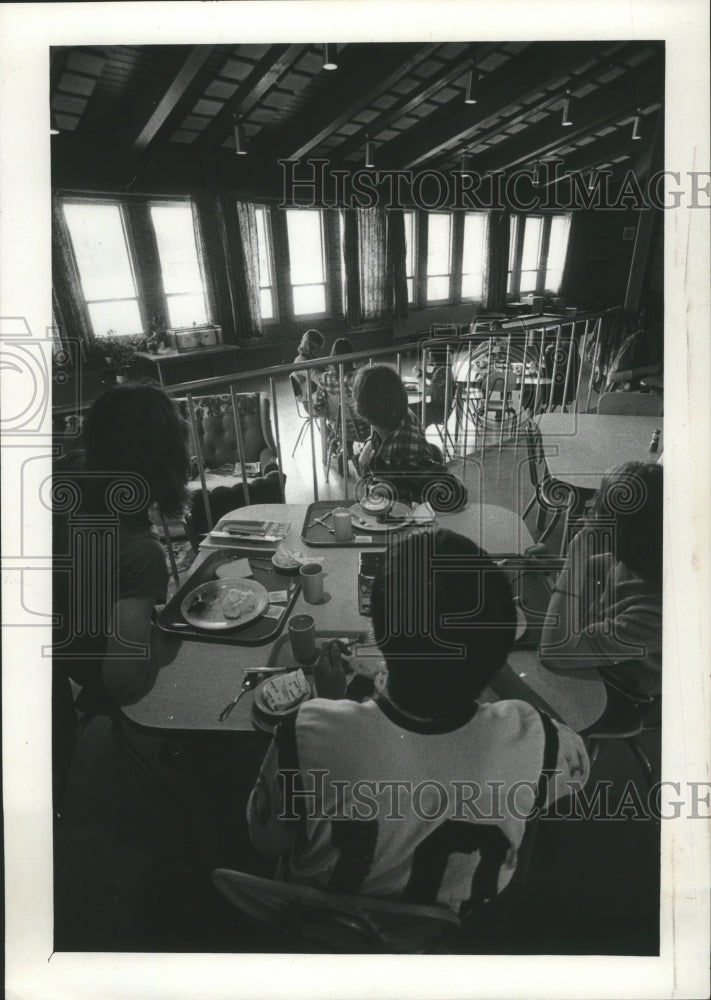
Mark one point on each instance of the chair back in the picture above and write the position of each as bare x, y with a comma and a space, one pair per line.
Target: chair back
562, 365
537, 465
340, 922
217, 435
357, 429
298, 396
640, 404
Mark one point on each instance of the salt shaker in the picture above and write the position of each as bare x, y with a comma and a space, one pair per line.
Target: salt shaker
654, 443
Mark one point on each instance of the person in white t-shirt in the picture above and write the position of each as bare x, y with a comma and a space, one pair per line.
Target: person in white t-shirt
420, 794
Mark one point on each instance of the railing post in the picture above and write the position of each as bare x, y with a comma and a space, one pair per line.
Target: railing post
571, 345
598, 325
467, 406
537, 393
272, 389
344, 443
169, 546
503, 401
240, 442
555, 366
486, 399
583, 349
311, 431
200, 462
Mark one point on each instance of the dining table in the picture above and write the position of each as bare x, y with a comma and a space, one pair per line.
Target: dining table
581, 447
195, 679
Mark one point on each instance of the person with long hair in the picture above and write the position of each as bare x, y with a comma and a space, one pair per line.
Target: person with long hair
328, 400
606, 609
135, 455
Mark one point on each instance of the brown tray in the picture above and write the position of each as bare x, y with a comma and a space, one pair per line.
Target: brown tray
255, 633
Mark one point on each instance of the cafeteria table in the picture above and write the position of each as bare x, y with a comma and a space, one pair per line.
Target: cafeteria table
581, 447
196, 679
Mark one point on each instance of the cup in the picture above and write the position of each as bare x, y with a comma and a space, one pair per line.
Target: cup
312, 582
342, 524
302, 635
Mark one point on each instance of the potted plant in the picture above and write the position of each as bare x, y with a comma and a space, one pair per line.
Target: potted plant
112, 355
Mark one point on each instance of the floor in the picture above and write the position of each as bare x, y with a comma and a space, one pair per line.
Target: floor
132, 862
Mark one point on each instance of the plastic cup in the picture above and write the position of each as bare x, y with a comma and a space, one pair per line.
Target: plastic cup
342, 524
312, 582
302, 635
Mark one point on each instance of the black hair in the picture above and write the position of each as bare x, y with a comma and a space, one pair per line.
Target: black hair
342, 346
380, 397
632, 496
137, 428
427, 578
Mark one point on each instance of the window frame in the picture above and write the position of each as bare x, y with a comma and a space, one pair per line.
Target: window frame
178, 203
269, 254
460, 262
299, 316
450, 263
129, 244
517, 235
411, 278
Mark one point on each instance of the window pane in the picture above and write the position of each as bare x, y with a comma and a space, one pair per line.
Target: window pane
557, 249
438, 245
473, 255
186, 310
309, 299
409, 244
305, 248
410, 289
101, 253
531, 245
175, 235
513, 234
265, 303
265, 271
119, 317
528, 282
437, 288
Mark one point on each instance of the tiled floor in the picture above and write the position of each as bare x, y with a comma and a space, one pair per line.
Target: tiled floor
131, 866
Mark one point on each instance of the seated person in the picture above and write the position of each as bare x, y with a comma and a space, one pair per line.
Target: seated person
328, 399
311, 347
397, 449
136, 454
369, 797
606, 609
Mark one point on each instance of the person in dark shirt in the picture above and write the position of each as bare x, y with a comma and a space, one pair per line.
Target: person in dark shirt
311, 347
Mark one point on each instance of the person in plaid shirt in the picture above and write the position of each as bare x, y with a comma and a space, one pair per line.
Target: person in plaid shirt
328, 401
397, 441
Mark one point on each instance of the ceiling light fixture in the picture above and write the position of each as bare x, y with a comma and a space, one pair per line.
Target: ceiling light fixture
53, 130
465, 161
240, 142
369, 155
536, 179
469, 97
636, 132
566, 119
329, 56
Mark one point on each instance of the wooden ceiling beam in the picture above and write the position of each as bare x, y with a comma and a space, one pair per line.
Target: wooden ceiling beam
265, 74
457, 122
174, 92
589, 114
349, 97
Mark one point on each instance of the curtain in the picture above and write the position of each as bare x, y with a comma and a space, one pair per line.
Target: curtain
351, 264
376, 294
67, 297
249, 291
212, 251
397, 263
498, 260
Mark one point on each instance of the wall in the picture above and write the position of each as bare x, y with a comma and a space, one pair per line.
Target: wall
599, 258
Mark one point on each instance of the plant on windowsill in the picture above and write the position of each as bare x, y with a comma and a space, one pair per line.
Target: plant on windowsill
158, 341
112, 356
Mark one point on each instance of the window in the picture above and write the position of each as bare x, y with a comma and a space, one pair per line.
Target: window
182, 280
306, 257
266, 270
537, 251
409, 218
439, 256
473, 255
98, 236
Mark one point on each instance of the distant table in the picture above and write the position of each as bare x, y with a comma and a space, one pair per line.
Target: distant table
197, 679
173, 357
581, 447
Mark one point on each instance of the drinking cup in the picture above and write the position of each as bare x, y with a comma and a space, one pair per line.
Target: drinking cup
312, 582
302, 635
342, 524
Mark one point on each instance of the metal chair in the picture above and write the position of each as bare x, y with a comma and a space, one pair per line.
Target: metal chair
639, 404
550, 494
340, 922
301, 411
356, 431
626, 719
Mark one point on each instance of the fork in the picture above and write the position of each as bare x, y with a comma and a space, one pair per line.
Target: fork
250, 680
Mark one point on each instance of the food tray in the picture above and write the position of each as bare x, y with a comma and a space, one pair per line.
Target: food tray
320, 537
255, 633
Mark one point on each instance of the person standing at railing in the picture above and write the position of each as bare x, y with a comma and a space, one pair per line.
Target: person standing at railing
310, 348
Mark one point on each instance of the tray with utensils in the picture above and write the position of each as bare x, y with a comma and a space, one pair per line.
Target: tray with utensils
368, 528
253, 630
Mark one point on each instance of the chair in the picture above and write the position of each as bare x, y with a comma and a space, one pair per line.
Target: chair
550, 494
340, 922
301, 411
562, 366
639, 404
218, 445
357, 430
626, 719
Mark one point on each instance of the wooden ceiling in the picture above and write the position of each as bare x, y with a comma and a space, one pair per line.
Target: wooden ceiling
142, 117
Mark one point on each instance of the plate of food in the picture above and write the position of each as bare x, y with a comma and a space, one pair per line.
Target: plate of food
280, 695
389, 517
224, 604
